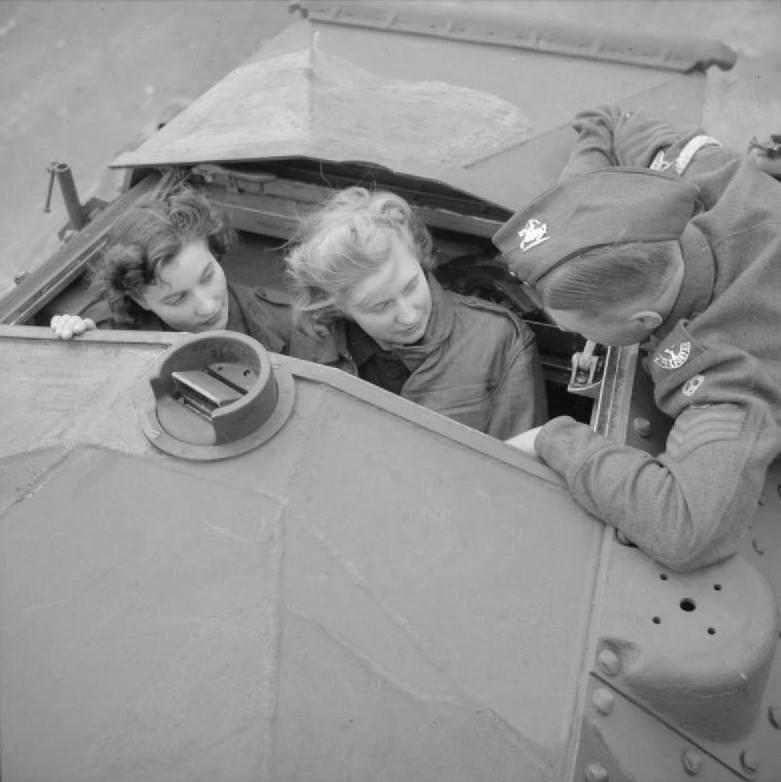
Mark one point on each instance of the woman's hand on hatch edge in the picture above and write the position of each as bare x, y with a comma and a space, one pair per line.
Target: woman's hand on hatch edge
68, 326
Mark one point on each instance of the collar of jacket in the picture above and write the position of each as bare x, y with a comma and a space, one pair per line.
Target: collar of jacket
333, 349
330, 349
438, 330
245, 315
698, 281
236, 320
148, 321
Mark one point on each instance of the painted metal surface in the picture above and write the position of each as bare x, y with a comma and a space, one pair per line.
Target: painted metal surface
498, 26
423, 100
710, 683
69, 262
762, 547
622, 742
350, 600
374, 592
217, 395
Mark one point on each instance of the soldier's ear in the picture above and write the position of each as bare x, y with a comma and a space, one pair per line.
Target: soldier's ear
648, 319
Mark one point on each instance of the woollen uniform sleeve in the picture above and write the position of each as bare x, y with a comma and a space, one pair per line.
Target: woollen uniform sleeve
688, 507
609, 136
712, 169
593, 148
640, 139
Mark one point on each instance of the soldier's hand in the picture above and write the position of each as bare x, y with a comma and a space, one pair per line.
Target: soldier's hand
525, 441
767, 154
770, 165
68, 326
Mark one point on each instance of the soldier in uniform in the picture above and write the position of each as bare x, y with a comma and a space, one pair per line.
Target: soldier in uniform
362, 287
667, 239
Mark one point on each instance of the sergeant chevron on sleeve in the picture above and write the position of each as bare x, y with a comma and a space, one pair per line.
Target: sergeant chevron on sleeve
664, 238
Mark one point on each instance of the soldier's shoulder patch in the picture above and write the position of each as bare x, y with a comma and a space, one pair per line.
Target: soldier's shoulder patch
699, 425
673, 356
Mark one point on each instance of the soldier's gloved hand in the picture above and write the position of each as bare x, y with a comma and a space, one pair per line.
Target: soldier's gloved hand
68, 326
525, 441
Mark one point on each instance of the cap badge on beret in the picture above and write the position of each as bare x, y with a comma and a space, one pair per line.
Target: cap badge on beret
533, 233
603, 208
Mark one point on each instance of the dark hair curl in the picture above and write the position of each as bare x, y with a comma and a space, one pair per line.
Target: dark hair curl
146, 238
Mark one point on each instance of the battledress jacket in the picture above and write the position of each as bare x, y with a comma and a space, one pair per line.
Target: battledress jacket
715, 362
262, 313
477, 364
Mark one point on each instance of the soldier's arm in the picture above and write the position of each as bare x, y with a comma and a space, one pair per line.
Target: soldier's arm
687, 507
610, 136
593, 148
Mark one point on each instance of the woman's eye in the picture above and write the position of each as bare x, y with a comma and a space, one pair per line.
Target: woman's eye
412, 285
382, 306
208, 275
176, 300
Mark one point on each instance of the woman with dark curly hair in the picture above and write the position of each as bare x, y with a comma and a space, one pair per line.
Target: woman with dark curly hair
362, 286
161, 271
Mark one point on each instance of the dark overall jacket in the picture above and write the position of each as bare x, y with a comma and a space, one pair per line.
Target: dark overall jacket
477, 364
715, 362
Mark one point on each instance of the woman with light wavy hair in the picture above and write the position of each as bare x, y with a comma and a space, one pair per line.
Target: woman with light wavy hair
362, 285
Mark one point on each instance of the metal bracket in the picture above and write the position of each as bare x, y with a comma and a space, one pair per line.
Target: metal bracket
586, 375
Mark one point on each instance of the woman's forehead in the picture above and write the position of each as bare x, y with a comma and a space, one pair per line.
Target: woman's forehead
186, 266
388, 279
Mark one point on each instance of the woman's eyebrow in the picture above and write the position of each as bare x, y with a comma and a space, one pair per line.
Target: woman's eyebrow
174, 293
171, 295
207, 267
367, 302
412, 279
370, 301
